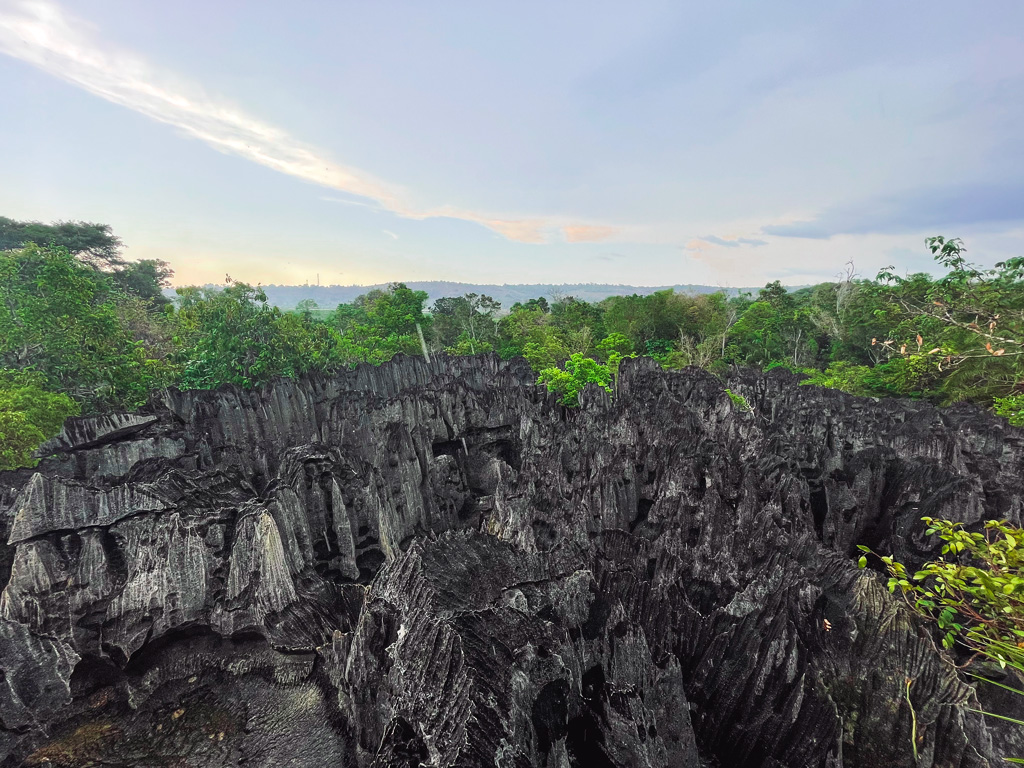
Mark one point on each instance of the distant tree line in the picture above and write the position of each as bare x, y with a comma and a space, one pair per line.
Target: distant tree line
83, 330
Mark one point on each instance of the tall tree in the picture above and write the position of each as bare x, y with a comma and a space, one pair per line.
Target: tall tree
146, 278
466, 325
93, 243
61, 318
29, 414
233, 335
968, 325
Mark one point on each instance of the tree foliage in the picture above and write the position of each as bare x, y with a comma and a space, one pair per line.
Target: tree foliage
60, 317
99, 329
92, 243
232, 336
570, 380
974, 592
29, 415
968, 324
466, 325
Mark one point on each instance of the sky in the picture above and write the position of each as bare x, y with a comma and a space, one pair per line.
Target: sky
647, 143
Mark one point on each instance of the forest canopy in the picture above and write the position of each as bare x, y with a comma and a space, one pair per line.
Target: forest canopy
84, 330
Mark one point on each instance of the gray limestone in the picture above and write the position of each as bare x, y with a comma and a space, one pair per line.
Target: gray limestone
436, 564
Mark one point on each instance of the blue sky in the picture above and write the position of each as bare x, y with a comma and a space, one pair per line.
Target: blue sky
645, 143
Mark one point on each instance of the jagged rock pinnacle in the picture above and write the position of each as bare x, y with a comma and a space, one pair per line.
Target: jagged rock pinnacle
434, 563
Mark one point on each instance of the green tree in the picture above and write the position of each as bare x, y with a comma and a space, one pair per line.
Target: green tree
614, 343
569, 382
307, 307
62, 317
578, 324
539, 303
145, 279
968, 325
1012, 408
466, 325
93, 243
758, 337
382, 323
29, 415
233, 336
658, 316
527, 331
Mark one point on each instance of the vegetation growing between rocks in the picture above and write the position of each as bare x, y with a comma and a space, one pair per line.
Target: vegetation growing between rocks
98, 330
739, 401
570, 381
973, 593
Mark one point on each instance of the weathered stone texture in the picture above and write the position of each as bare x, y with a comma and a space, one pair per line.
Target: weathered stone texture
436, 564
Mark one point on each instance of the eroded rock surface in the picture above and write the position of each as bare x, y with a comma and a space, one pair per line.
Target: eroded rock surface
436, 564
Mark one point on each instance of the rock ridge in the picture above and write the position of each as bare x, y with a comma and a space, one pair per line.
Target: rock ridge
437, 564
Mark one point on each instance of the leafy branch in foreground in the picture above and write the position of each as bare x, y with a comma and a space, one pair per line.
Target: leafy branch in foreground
974, 592
1012, 408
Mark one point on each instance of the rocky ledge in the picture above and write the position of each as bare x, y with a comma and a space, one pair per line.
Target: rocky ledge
436, 564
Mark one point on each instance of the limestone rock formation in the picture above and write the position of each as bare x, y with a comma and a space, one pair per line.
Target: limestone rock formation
436, 564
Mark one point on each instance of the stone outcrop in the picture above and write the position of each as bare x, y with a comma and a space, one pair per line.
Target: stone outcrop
436, 564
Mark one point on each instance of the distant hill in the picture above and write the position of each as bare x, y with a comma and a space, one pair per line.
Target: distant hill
330, 296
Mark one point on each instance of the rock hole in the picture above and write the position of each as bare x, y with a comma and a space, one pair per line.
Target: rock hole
468, 512
585, 737
369, 562
550, 714
819, 508
447, 448
544, 535
407, 748
643, 510
92, 673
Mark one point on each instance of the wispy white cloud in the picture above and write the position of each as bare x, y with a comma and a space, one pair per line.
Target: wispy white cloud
709, 242
360, 203
390, 234
40, 33
582, 233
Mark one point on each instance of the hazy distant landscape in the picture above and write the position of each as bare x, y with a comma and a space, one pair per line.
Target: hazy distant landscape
329, 296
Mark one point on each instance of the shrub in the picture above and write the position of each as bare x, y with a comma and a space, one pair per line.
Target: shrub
974, 592
739, 401
579, 371
29, 415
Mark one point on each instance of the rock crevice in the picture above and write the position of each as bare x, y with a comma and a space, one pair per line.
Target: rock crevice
436, 564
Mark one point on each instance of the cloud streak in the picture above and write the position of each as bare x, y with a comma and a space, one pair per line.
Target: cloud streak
915, 211
733, 242
42, 35
588, 234
708, 242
